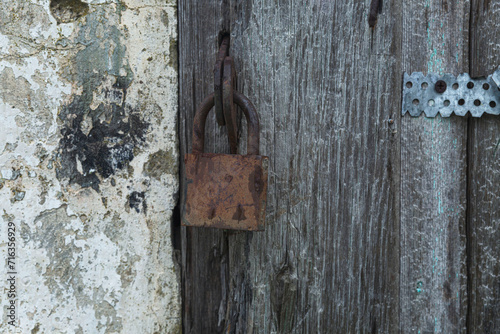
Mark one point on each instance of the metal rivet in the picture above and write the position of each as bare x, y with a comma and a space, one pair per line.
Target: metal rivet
440, 86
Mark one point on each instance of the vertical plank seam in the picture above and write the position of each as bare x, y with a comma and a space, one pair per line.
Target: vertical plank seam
468, 229
400, 129
468, 241
183, 232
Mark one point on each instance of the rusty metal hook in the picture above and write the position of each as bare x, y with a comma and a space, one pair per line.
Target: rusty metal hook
224, 84
218, 72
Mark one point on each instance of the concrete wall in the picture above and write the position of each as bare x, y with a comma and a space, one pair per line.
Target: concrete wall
89, 164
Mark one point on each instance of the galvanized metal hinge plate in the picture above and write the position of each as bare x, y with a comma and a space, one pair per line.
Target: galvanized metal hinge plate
447, 94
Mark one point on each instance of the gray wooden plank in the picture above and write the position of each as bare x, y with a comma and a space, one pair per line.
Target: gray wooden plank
484, 180
433, 177
325, 85
204, 251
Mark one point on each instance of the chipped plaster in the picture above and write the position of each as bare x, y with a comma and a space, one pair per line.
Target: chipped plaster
87, 109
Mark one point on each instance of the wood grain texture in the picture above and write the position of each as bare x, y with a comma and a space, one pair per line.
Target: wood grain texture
326, 86
433, 177
369, 226
484, 180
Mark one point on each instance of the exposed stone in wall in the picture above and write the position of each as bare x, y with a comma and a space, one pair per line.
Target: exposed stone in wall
89, 164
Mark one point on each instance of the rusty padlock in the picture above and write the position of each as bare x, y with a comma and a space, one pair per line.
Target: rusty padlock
227, 191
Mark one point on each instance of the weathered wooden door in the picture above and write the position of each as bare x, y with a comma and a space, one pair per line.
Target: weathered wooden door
375, 222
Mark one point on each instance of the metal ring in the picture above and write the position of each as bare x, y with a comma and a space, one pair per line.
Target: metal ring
218, 73
228, 86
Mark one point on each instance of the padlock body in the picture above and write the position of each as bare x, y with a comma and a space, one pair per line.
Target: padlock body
225, 191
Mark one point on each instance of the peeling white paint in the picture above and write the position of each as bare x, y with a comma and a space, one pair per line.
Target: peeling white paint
89, 260
4, 44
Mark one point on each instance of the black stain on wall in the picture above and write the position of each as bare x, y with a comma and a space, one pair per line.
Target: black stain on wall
137, 201
106, 148
99, 141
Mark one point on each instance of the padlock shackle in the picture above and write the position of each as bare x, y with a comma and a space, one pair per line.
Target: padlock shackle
250, 113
